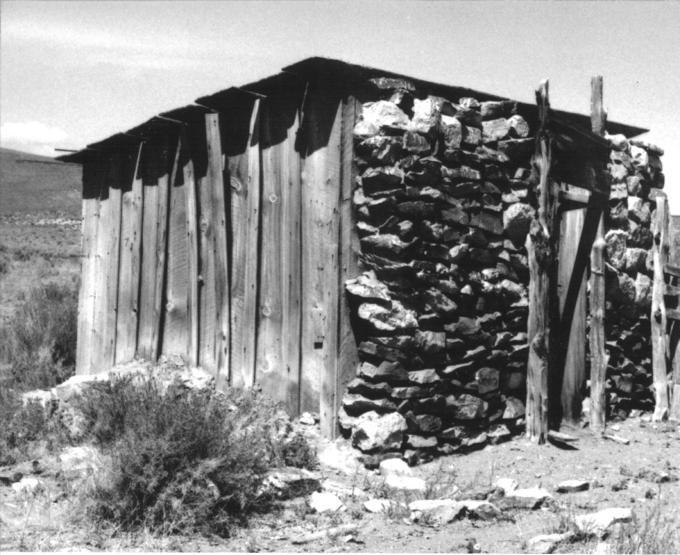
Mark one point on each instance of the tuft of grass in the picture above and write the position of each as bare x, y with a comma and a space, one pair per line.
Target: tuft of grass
39, 339
656, 530
183, 461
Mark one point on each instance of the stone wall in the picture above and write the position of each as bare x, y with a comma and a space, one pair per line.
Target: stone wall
443, 203
636, 174
442, 206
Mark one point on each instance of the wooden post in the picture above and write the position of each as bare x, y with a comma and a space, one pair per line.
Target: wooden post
540, 252
660, 249
598, 355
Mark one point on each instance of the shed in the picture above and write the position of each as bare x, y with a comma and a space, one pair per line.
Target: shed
241, 233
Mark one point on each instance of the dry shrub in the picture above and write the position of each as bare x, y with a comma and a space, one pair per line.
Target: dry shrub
184, 461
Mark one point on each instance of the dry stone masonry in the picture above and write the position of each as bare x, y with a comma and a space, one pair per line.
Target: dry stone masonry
443, 204
636, 180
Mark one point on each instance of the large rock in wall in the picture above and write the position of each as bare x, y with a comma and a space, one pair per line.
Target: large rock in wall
442, 205
636, 177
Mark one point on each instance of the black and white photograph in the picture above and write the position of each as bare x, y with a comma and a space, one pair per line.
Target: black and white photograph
340, 276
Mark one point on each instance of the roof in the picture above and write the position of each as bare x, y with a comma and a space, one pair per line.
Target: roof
341, 74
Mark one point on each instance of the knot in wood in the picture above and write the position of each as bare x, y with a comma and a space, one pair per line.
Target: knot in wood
235, 184
266, 310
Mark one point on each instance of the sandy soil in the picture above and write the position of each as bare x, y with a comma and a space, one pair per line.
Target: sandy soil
620, 476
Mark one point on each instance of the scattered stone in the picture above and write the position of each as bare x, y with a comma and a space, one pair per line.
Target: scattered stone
324, 502
396, 467
286, 483
483, 510
379, 433
598, 523
571, 486
547, 543
508, 485
527, 498
436, 511
378, 505
307, 419
28, 485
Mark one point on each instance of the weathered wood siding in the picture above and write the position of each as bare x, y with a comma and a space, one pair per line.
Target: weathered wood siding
228, 244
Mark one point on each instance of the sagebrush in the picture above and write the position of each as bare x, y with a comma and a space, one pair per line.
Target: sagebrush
184, 461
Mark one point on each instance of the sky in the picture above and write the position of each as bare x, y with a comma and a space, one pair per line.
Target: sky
74, 72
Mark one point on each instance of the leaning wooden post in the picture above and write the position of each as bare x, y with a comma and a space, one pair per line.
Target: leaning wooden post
660, 250
598, 356
541, 256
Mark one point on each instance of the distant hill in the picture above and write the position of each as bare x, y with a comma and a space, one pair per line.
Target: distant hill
32, 184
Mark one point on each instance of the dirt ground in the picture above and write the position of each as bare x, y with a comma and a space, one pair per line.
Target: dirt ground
620, 476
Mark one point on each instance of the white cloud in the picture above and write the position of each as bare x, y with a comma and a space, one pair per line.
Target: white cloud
96, 45
32, 136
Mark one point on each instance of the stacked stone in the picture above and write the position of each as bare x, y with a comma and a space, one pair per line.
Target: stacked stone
636, 180
443, 205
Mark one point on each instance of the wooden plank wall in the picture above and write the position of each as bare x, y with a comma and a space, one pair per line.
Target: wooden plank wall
239, 266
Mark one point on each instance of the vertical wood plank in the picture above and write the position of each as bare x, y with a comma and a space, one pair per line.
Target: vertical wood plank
598, 355
320, 252
540, 254
111, 276
660, 250
207, 310
99, 300
244, 172
147, 286
130, 260
291, 267
175, 321
221, 263
160, 269
571, 228
269, 361
348, 357
86, 297
192, 259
